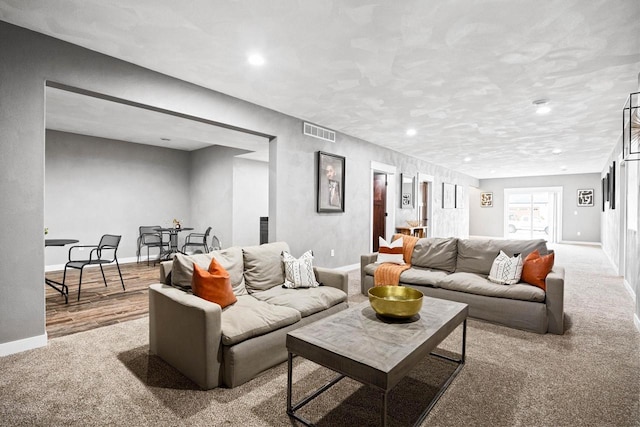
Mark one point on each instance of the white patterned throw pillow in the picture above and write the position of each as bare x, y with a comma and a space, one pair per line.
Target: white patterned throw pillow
390, 252
506, 270
299, 272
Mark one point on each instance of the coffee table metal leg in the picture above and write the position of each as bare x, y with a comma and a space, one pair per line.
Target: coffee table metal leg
385, 402
292, 408
444, 387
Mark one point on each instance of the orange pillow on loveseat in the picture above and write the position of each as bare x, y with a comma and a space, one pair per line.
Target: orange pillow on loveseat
213, 285
536, 268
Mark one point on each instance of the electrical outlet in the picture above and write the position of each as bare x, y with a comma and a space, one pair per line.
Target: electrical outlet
333, 252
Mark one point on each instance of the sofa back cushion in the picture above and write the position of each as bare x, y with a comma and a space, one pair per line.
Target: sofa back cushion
436, 253
263, 267
230, 259
476, 256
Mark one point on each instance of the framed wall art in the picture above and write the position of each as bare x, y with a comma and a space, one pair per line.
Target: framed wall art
585, 197
448, 196
330, 182
486, 200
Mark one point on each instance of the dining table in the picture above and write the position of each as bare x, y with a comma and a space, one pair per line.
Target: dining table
60, 287
173, 240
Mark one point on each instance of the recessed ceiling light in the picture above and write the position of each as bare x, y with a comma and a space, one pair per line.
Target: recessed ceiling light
542, 106
493, 171
411, 132
557, 151
563, 168
467, 159
256, 59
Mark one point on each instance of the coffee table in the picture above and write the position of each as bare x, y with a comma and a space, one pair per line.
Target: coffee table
375, 351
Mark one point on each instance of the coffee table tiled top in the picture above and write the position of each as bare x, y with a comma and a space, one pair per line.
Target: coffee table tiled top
373, 350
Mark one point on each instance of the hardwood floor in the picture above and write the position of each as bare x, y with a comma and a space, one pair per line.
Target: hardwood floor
99, 305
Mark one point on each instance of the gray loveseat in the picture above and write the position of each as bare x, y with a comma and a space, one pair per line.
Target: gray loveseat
457, 270
214, 346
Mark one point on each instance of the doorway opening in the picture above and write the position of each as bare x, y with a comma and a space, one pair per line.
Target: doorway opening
383, 194
532, 213
379, 208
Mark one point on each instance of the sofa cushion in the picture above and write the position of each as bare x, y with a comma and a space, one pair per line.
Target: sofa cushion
478, 284
213, 285
506, 270
536, 268
476, 256
298, 272
436, 253
414, 275
250, 317
390, 252
230, 259
307, 301
263, 268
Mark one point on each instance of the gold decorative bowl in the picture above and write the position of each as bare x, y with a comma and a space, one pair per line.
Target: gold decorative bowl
413, 223
395, 301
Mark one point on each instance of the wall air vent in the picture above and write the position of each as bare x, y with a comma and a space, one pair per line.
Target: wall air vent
318, 132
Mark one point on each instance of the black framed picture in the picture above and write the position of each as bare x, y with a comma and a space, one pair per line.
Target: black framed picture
585, 197
612, 186
486, 200
330, 182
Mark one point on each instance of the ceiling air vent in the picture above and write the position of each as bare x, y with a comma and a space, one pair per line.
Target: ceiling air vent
318, 132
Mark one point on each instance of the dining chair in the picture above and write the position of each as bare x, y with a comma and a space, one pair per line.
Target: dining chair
150, 237
201, 240
104, 253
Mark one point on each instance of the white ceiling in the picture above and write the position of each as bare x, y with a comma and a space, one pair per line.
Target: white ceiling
463, 73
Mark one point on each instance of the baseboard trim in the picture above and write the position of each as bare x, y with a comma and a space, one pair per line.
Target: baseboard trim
584, 243
348, 267
25, 344
629, 289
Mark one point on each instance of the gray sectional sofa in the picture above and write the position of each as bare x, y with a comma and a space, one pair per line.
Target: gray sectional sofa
214, 346
457, 270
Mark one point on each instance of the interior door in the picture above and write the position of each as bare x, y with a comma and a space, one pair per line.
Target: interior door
379, 211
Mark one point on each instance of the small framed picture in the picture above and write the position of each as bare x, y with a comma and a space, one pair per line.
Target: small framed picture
486, 200
585, 197
330, 181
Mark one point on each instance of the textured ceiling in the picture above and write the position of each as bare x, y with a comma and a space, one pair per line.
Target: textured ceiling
463, 73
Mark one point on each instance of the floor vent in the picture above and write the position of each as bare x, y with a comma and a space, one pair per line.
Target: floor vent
318, 132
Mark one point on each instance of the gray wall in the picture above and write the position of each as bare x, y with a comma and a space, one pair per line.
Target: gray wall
586, 220
619, 230
96, 186
250, 200
211, 190
30, 59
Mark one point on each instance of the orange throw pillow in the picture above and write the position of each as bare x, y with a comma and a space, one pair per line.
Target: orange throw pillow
536, 268
213, 285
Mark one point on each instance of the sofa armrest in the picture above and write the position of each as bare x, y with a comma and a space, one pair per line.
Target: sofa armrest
364, 261
555, 300
334, 278
165, 272
185, 331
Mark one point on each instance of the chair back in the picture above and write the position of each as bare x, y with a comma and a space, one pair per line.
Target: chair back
149, 234
206, 234
108, 242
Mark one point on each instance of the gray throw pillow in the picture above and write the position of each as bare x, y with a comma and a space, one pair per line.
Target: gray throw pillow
263, 268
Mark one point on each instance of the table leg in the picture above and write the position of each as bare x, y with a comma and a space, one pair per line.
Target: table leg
385, 403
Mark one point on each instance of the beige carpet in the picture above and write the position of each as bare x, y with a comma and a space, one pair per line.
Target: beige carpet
588, 377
